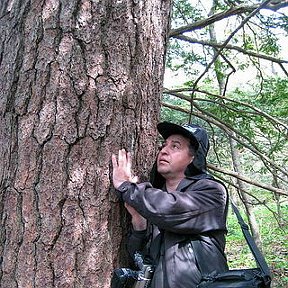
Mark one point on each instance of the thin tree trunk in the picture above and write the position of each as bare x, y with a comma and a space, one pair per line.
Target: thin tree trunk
78, 81
221, 74
244, 197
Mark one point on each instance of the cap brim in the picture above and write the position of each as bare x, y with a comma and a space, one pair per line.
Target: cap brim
167, 129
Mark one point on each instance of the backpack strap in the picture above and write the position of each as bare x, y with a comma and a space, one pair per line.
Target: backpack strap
260, 260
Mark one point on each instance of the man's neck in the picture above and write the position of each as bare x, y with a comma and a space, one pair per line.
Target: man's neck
172, 184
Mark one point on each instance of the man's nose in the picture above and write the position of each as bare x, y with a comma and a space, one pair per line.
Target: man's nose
164, 150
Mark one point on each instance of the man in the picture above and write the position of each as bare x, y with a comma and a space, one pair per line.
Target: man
180, 217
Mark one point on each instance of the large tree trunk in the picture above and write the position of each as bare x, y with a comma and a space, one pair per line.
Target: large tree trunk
78, 80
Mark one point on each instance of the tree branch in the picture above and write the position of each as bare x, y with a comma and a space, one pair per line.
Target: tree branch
254, 12
248, 180
225, 14
177, 93
259, 202
232, 47
228, 130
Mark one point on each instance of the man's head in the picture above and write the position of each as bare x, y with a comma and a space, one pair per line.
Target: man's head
197, 141
174, 156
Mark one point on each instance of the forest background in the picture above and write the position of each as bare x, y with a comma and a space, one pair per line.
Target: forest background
80, 79
229, 74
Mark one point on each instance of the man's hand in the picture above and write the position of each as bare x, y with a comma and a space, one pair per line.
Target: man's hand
139, 222
122, 171
122, 168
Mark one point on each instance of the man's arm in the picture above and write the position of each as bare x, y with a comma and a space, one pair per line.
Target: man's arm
200, 208
139, 223
122, 171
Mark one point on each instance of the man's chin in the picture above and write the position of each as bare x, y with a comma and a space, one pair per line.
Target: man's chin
162, 171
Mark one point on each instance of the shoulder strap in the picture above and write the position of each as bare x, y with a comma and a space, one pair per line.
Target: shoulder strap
251, 243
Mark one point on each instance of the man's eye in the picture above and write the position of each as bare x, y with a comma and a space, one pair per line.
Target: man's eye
175, 146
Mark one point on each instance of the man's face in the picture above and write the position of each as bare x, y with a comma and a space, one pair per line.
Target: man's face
174, 157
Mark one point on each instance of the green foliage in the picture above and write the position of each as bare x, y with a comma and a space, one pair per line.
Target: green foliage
181, 56
269, 45
274, 21
254, 111
248, 43
184, 12
274, 244
274, 98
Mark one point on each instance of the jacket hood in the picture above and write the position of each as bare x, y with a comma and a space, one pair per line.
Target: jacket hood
199, 140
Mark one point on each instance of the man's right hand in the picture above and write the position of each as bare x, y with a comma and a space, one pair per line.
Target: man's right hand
122, 168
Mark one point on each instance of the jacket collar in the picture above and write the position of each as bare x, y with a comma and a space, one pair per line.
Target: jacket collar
187, 181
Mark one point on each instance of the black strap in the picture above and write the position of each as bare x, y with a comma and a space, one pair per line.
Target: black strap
260, 260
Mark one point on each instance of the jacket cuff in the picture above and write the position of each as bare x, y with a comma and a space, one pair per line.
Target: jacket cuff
138, 233
124, 187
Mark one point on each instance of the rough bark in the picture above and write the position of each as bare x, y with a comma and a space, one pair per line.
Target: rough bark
78, 80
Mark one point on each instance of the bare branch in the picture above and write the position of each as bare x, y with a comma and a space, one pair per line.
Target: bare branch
277, 4
225, 14
175, 92
237, 48
229, 131
212, 19
248, 180
258, 202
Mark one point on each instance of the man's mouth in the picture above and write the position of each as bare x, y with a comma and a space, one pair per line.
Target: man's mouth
163, 161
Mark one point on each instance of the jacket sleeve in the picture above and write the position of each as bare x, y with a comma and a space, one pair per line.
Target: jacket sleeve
136, 242
200, 208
